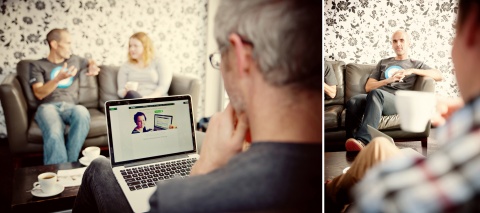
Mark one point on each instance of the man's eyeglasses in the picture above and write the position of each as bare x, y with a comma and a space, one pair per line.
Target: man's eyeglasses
216, 58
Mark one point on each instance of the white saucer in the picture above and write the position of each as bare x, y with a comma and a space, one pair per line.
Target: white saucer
346, 169
84, 161
39, 193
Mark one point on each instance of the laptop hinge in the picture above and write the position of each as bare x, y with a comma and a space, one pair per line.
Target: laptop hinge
156, 160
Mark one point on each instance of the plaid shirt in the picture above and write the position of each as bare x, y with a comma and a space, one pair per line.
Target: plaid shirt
448, 180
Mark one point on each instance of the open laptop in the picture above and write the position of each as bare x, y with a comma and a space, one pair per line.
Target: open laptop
140, 160
376, 133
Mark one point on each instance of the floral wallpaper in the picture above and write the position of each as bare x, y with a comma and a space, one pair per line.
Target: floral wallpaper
359, 31
100, 30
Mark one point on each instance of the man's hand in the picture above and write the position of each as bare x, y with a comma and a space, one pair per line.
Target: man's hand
65, 73
397, 76
445, 108
223, 140
93, 69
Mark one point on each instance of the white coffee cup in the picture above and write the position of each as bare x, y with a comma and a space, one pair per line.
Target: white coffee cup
91, 152
132, 85
415, 109
46, 182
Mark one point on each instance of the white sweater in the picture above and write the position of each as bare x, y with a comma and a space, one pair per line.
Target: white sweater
153, 81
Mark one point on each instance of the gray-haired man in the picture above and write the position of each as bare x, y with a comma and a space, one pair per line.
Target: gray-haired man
269, 51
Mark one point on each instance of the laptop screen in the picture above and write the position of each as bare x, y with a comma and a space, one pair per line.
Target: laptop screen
142, 129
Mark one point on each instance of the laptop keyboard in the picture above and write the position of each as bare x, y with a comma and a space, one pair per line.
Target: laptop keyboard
143, 177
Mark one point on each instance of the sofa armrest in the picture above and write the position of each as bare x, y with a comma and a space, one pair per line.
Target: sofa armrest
425, 84
186, 84
15, 110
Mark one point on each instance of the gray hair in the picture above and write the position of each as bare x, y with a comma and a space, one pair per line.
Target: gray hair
286, 35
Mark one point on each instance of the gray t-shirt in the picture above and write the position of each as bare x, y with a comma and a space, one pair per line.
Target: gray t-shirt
67, 90
329, 77
267, 177
387, 67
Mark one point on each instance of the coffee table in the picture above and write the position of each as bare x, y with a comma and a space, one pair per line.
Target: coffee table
23, 201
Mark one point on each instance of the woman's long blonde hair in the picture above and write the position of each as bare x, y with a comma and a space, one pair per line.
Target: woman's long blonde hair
147, 55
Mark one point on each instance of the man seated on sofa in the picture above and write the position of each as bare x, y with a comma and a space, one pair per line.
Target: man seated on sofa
391, 74
55, 83
268, 75
330, 84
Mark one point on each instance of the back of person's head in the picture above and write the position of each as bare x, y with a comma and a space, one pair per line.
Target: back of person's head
147, 43
464, 9
286, 37
55, 35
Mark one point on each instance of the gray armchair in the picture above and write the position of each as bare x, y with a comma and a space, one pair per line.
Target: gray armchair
19, 106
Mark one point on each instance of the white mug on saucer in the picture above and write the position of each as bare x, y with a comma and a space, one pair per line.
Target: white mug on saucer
415, 109
91, 152
46, 182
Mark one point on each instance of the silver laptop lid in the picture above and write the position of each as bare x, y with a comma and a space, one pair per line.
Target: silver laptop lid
134, 136
376, 133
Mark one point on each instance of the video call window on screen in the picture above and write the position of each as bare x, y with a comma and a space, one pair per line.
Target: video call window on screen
162, 122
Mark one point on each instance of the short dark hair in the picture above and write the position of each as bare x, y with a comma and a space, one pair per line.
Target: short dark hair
138, 114
464, 8
55, 35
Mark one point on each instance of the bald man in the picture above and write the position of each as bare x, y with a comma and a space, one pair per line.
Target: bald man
391, 74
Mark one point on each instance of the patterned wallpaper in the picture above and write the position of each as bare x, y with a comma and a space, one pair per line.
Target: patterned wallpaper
359, 31
100, 30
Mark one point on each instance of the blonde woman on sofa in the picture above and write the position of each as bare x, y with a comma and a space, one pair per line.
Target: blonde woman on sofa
143, 75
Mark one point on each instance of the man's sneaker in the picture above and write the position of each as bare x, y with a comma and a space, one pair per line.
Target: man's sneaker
353, 145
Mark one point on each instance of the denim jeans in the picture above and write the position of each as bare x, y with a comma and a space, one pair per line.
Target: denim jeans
52, 118
371, 106
100, 191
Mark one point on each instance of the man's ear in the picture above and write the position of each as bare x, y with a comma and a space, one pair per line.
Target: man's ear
54, 44
242, 53
470, 27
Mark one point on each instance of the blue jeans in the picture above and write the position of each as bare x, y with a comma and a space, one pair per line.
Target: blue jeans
371, 106
52, 118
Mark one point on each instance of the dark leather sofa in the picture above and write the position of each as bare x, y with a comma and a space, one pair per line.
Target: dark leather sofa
19, 105
351, 79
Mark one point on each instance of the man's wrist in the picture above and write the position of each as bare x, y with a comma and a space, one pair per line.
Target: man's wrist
202, 167
56, 80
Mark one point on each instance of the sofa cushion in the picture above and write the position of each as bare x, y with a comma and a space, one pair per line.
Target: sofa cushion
107, 81
23, 76
356, 76
98, 127
88, 90
332, 116
338, 70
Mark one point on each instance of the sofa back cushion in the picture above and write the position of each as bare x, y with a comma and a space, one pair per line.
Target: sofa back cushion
107, 81
23, 76
338, 69
356, 75
88, 90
